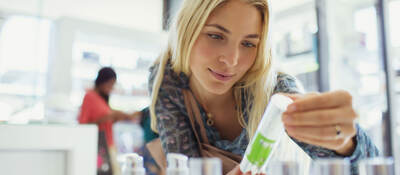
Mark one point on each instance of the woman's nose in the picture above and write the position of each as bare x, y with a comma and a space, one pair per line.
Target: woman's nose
230, 57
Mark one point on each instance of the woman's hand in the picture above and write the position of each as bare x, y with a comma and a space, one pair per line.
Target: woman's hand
236, 171
325, 120
119, 115
136, 117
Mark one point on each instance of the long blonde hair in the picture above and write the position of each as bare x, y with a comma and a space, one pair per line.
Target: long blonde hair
258, 82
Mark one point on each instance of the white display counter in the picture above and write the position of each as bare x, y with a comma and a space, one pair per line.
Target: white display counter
48, 149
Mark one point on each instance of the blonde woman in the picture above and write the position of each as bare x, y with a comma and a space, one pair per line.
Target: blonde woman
218, 55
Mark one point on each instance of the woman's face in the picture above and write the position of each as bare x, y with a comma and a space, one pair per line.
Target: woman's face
226, 47
107, 86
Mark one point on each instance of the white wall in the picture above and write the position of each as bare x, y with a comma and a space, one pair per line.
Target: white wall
139, 14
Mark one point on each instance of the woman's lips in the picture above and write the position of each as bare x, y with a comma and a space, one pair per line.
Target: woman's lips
221, 76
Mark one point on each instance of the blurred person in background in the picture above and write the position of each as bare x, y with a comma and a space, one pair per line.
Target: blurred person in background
95, 109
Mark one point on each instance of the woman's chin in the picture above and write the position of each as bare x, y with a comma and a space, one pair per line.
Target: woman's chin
219, 89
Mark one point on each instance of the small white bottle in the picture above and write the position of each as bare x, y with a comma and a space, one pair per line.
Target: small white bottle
133, 165
177, 164
284, 168
205, 166
267, 136
333, 166
377, 166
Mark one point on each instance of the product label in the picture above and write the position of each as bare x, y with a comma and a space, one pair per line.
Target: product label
260, 150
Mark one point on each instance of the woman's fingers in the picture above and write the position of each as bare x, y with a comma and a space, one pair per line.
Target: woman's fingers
320, 117
321, 133
330, 144
325, 120
295, 97
235, 171
325, 100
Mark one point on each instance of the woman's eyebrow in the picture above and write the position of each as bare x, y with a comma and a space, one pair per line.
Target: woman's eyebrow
253, 36
227, 31
219, 27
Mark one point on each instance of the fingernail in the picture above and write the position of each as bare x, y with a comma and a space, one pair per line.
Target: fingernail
291, 108
287, 118
288, 127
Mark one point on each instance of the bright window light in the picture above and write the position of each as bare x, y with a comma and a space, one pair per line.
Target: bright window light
24, 44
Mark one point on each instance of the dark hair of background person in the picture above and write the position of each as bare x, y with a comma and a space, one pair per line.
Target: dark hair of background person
105, 74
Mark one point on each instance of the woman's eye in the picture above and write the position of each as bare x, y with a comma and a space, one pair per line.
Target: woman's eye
215, 36
248, 44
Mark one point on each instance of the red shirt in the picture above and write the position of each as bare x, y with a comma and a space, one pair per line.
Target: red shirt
93, 108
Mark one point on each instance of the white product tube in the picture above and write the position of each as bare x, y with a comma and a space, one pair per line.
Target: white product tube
267, 136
